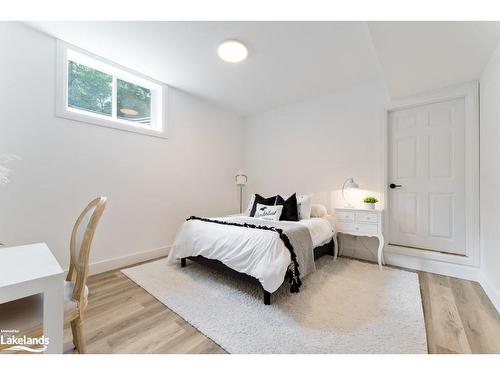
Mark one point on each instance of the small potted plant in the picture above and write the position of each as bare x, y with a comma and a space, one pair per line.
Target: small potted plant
369, 202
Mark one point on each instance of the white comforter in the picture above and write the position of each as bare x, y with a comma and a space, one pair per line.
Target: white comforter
258, 253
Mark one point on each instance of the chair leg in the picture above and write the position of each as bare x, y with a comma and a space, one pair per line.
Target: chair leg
78, 339
183, 262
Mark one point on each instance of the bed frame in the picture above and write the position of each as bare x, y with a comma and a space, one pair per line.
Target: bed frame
219, 266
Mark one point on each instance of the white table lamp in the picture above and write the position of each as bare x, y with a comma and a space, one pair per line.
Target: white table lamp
349, 184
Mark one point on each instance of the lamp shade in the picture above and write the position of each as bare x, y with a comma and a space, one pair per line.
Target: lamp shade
241, 179
350, 184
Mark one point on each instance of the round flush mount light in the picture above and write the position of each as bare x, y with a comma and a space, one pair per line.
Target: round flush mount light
232, 51
129, 112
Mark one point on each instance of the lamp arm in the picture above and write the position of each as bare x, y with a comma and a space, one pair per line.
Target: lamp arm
343, 189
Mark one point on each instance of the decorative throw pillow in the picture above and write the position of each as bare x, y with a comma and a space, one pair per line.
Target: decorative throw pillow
304, 203
259, 199
290, 212
318, 210
265, 212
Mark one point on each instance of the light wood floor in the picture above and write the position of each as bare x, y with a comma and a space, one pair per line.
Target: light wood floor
123, 318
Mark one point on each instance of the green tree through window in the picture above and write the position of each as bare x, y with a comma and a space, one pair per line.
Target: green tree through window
89, 89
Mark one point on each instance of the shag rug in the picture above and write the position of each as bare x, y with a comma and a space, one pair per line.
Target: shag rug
346, 306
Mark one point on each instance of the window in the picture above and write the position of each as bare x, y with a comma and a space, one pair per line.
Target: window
96, 91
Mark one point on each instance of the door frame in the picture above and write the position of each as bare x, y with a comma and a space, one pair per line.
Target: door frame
470, 93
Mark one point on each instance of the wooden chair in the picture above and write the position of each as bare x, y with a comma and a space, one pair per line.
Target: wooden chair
25, 314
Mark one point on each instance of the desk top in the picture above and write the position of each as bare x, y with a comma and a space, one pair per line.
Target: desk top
27, 263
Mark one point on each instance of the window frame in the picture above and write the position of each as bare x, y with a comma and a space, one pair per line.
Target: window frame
159, 93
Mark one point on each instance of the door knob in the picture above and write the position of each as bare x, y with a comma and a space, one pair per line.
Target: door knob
393, 186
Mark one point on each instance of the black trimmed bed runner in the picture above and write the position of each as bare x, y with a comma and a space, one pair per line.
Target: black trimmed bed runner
293, 273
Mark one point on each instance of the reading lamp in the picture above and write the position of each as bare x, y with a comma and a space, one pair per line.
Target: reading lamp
241, 180
349, 184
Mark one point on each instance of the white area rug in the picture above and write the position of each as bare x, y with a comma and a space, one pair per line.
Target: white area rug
346, 306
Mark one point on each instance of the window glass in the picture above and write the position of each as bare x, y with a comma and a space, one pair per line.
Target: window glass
133, 103
89, 89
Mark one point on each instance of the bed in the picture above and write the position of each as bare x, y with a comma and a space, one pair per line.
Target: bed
261, 251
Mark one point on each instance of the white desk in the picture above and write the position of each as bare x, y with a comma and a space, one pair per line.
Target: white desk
361, 222
32, 269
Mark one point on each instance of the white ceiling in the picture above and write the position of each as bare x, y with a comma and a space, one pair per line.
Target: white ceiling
289, 61
420, 56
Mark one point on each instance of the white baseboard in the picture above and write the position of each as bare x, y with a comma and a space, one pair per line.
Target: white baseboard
120, 262
491, 292
409, 261
433, 266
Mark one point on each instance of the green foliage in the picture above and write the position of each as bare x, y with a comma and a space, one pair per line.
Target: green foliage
370, 200
89, 89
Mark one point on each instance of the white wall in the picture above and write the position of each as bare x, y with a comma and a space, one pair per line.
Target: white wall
152, 184
490, 177
314, 145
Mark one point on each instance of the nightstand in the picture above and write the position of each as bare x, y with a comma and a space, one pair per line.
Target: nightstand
361, 222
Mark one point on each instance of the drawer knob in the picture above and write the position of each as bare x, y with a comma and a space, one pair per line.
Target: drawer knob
357, 228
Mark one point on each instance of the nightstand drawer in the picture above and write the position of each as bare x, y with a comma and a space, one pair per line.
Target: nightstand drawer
366, 217
366, 228
345, 216
358, 228
345, 227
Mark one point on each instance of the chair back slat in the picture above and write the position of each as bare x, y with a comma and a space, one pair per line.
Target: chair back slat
80, 233
80, 244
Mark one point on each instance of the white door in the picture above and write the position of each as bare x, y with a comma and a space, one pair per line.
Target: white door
427, 165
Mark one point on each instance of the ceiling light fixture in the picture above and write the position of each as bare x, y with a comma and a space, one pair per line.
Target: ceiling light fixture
232, 51
129, 112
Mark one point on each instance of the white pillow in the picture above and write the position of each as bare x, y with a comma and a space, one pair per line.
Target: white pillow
304, 203
318, 210
272, 213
